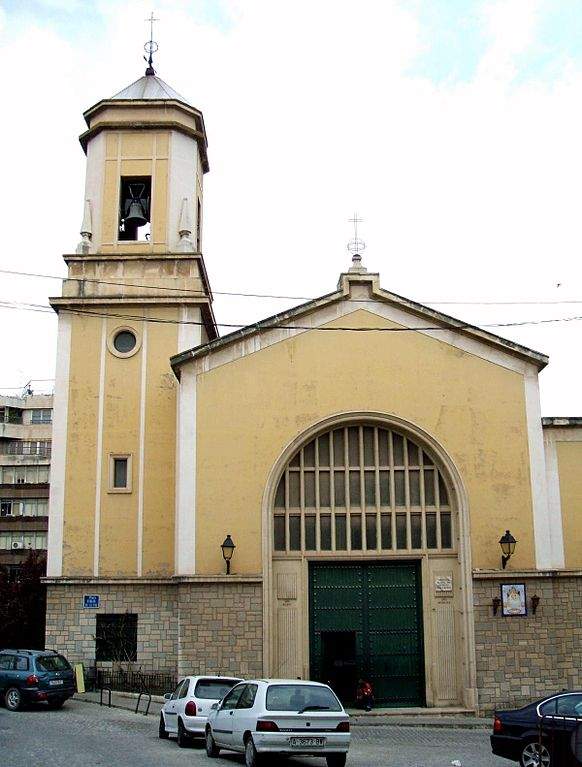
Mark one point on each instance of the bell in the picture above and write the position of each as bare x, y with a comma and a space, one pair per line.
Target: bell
135, 216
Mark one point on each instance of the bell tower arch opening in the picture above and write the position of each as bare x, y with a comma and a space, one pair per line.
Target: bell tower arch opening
368, 563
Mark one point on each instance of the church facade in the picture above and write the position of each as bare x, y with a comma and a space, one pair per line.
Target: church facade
364, 453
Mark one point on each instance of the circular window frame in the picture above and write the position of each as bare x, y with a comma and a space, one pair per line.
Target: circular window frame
111, 341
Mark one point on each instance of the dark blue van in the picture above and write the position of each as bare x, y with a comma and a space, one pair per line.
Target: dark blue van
35, 676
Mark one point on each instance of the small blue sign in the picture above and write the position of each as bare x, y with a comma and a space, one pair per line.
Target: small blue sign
91, 601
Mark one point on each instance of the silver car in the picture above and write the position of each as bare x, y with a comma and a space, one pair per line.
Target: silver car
264, 717
185, 711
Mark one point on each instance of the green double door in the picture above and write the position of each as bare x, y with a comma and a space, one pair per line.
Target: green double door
365, 621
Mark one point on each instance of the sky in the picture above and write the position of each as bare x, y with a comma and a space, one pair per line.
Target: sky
453, 128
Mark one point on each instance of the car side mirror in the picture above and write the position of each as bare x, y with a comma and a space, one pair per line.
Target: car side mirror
214, 706
168, 696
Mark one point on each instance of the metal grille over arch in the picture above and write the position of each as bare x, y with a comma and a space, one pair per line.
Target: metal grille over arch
363, 488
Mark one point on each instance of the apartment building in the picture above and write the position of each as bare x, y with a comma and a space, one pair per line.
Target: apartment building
25, 455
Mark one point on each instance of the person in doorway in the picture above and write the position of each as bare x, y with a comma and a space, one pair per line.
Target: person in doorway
364, 695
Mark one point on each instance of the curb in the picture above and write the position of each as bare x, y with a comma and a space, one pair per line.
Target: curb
425, 725
355, 721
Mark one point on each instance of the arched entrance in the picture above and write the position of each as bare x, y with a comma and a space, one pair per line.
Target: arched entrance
367, 563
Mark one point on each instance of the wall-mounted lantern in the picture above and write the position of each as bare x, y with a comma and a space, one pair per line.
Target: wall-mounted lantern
535, 600
228, 548
507, 543
496, 602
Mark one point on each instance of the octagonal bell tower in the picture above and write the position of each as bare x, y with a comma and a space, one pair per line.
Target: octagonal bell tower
136, 293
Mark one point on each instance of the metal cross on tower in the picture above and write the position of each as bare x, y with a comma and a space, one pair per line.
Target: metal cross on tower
151, 46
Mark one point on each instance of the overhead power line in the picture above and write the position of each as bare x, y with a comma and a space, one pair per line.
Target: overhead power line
530, 302
264, 324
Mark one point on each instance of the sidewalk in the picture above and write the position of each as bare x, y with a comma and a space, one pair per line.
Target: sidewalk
380, 717
127, 700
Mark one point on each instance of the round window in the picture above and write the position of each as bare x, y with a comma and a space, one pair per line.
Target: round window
124, 341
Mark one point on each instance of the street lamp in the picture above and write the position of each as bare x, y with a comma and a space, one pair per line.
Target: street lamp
507, 543
228, 548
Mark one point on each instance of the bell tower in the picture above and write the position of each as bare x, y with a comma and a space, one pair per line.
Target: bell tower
137, 292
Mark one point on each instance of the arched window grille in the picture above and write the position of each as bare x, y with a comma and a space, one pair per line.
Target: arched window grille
362, 488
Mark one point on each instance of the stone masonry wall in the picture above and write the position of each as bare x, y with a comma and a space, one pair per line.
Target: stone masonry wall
183, 628
522, 658
70, 627
221, 629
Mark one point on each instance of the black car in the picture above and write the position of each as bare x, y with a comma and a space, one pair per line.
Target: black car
547, 733
35, 676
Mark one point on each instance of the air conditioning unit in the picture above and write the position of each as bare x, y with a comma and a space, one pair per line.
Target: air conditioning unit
17, 545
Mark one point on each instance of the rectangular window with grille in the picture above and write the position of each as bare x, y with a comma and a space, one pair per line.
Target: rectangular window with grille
116, 637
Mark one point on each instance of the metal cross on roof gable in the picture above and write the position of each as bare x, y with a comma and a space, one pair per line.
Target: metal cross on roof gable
151, 46
356, 246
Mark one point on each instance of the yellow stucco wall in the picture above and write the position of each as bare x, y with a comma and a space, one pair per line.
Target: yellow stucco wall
80, 471
570, 474
118, 512
250, 409
160, 448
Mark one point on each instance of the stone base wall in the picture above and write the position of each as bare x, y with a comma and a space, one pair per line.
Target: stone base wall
522, 658
221, 629
182, 628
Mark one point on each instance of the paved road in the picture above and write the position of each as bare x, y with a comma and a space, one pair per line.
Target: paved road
85, 735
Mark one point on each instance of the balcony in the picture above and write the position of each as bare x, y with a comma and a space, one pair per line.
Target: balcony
26, 448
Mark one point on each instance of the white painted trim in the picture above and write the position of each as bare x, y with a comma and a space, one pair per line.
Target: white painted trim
551, 437
185, 541
99, 456
189, 335
59, 449
342, 308
94, 185
185, 514
450, 471
182, 181
547, 519
141, 453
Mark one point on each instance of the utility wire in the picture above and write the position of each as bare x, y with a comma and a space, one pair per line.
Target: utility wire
275, 296
263, 324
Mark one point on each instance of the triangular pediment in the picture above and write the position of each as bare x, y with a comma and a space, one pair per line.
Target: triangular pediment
360, 293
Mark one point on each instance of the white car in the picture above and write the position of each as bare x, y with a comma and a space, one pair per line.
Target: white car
185, 711
264, 717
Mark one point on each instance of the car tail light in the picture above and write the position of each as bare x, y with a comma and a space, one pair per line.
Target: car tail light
497, 725
343, 727
32, 679
265, 726
190, 709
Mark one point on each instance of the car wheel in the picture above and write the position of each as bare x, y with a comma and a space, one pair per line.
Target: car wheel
252, 759
56, 703
212, 749
162, 732
336, 760
183, 737
534, 754
13, 699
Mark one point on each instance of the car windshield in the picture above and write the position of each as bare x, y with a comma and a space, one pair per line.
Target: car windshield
213, 689
52, 663
301, 697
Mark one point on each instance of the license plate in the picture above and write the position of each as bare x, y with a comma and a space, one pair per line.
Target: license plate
307, 742
56, 681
